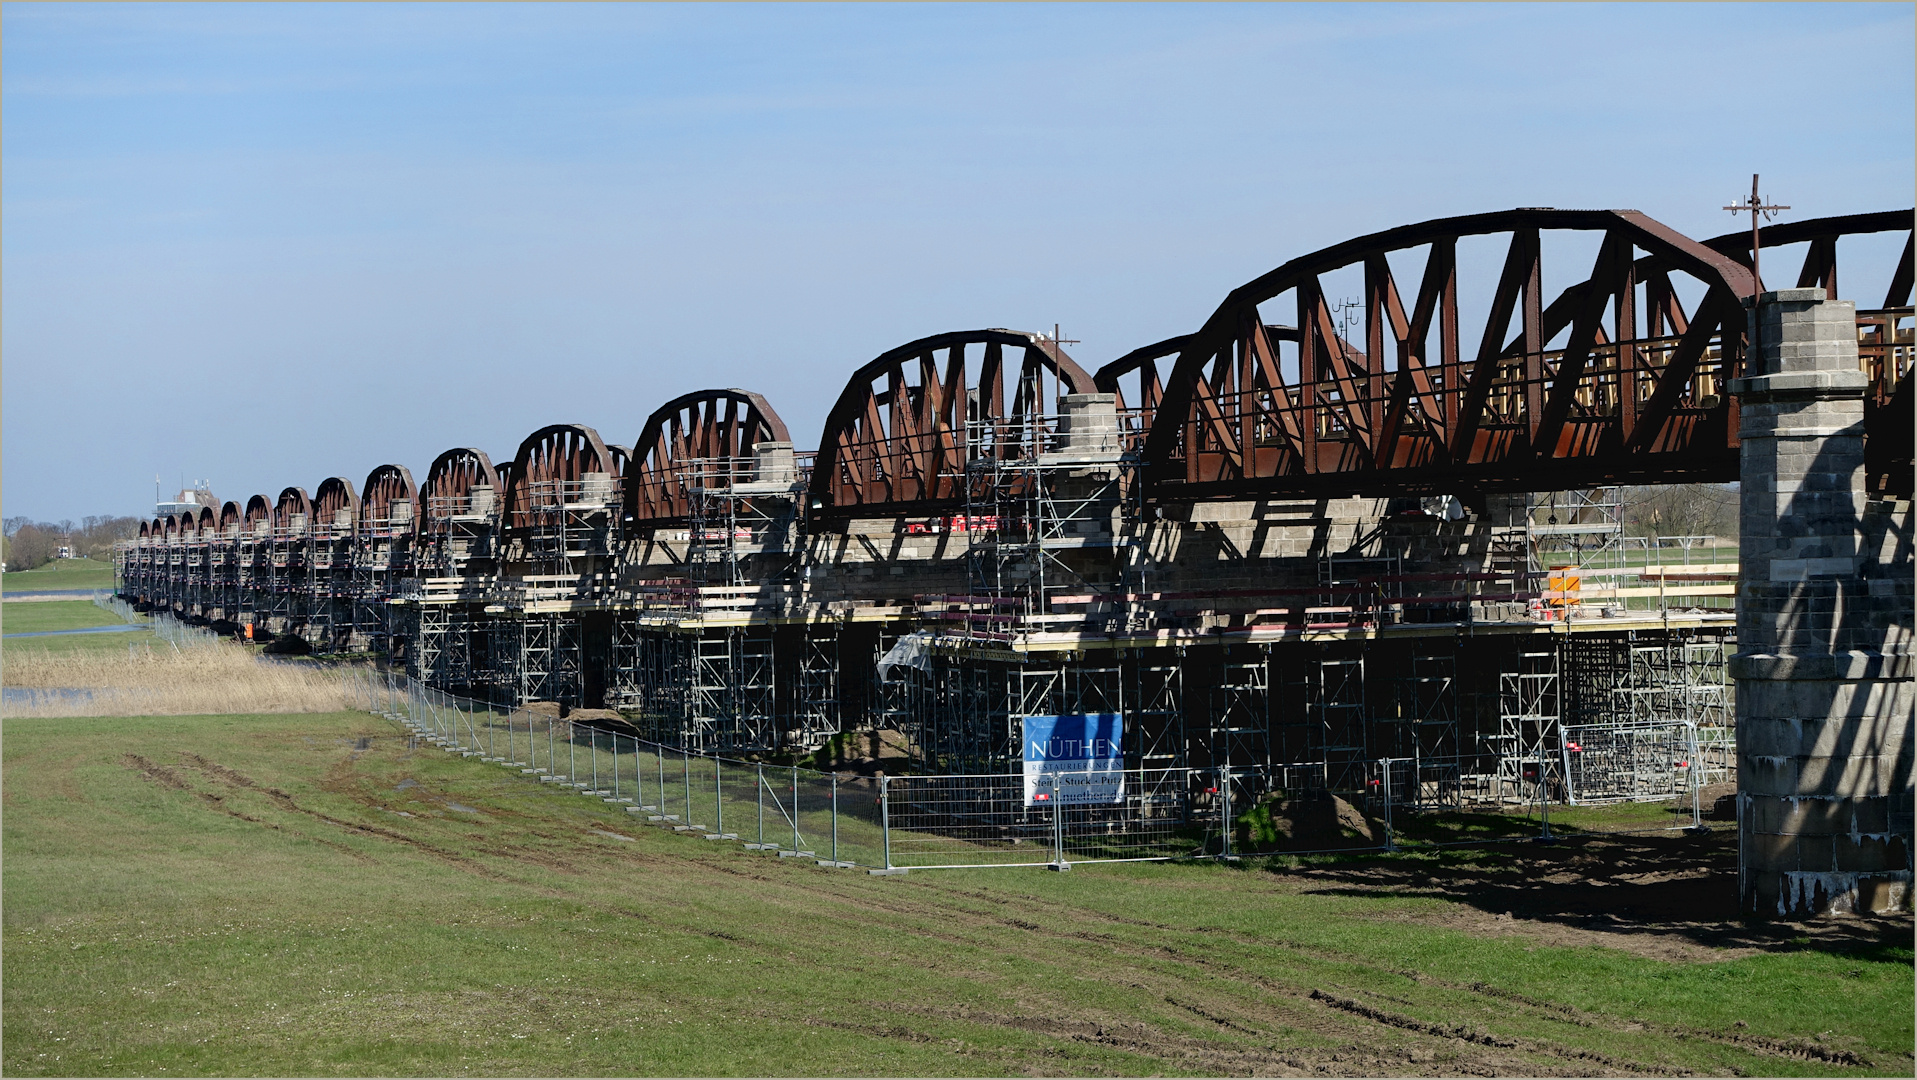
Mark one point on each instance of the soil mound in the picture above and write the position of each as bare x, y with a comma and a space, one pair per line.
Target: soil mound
1719, 801
603, 719
1317, 821
868, 753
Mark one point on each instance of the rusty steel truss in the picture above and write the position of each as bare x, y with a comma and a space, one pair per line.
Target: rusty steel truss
901, 434
987, 529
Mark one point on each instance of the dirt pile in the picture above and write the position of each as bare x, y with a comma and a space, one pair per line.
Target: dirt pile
868, 752
1315, 821
1719, 801
603, 719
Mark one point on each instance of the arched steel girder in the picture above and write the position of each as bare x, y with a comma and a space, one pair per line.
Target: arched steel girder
1883, 333
449, 487
704, 438
550, 466
1819, 268
1643, 399
207, 522
259, 515
1137, 379
900, 434
335, 508
231, 515
387, 486
293, 511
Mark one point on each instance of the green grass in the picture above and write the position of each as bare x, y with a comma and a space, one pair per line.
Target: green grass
23, 617
258, 895
60, 574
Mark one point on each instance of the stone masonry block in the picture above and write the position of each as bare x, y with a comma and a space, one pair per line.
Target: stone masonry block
1855, 775
1767, 774
1871, 814
1770, 851
1816, 853
1865, 853
1812, 734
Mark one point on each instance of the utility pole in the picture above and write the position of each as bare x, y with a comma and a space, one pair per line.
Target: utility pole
1343, 309
1756, 208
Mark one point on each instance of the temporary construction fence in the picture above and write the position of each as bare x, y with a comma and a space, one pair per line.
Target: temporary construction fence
935, 822
165, 626
1611, 763
892, 824
880, 823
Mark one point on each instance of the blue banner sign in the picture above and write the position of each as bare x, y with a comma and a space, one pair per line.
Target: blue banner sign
1083, 752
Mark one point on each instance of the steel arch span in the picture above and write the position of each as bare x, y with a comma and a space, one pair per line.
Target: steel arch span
549, 461
1884, 333
1637, 396
708, 432
899, 436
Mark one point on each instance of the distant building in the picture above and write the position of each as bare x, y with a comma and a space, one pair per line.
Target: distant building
190, 500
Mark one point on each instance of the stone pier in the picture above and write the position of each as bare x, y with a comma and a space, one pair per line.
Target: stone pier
1824, 667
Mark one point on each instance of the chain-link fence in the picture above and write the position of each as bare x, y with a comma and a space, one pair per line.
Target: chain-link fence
892, 824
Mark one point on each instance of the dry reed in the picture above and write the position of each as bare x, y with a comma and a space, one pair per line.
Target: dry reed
164, 681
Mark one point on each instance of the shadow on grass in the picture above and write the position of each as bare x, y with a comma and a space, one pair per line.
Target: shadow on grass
1659, 883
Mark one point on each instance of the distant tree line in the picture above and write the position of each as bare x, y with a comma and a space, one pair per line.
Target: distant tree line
31, 544
1680, 510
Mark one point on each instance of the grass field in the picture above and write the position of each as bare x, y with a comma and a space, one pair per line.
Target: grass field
39, 617
24, 618
60, 574
310, 894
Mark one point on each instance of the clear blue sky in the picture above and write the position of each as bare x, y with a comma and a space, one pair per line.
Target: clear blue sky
266, 245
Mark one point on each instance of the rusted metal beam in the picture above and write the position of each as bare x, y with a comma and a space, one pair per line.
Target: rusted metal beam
709, 432
897, 439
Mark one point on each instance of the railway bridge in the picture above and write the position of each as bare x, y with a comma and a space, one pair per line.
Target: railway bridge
1364, 517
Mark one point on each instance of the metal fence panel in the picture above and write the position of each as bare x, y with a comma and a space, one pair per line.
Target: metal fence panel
941, 821
838, 820
1628, 763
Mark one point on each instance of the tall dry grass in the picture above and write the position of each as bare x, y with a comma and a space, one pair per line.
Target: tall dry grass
164, 681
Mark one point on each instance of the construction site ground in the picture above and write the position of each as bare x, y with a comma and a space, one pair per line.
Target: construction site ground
321, 895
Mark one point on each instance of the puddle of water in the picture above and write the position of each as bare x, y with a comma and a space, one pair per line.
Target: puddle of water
83, 630
458, 809
409, 782
615, 836
32, 696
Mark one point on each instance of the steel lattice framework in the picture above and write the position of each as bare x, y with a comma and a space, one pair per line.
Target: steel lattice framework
897, 439
1637, 396
385, 486
549, 460
1144, 371
716, 429
1888, 408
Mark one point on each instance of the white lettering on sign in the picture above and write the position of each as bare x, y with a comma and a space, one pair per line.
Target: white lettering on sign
1074, 759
